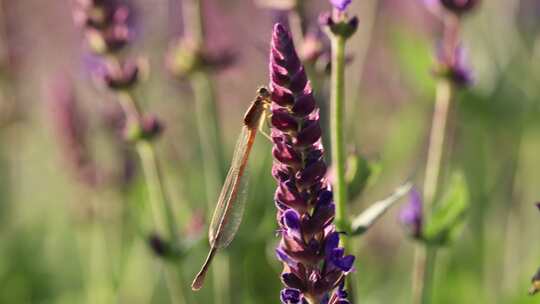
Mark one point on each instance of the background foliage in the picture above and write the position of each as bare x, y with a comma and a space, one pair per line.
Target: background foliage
62, 242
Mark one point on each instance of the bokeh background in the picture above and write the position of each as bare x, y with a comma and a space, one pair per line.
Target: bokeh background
64, 239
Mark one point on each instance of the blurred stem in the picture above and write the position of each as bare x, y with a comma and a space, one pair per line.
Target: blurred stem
425, 256
161, 208
297, 22
160, 204
194, 21
156, 192
439, 129
208, 127
337, 111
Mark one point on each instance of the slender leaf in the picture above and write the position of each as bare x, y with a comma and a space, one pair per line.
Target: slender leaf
366, 219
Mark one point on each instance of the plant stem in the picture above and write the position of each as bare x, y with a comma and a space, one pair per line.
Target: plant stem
162, 210
337, 111
297, 22
209, 134
439, 129
337, 138
160, 204
425, 257
194, 21
208, 127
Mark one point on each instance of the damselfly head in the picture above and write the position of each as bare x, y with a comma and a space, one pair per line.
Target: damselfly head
256, 110
263, 93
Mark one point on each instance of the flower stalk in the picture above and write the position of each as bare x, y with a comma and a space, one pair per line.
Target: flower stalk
339, 28
452, 74
337, 116
425, 257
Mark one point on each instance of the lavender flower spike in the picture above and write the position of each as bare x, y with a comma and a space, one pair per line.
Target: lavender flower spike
314, 264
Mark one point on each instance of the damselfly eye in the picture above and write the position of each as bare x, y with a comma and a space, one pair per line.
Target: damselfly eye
263, 92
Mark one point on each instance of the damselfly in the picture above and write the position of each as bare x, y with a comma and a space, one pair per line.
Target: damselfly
230, 207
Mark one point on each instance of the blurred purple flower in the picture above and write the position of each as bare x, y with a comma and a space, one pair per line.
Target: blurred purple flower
314, 264
340, 5
455, 66
122, 77
106, 24
411, 215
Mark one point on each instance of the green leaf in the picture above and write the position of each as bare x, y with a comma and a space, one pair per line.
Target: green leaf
366, 219
360, 174
449, 215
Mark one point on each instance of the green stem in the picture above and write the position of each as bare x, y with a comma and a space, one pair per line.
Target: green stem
160, 204
337, 130
162, 210
337, 111
297, 19
208, 127
425, 257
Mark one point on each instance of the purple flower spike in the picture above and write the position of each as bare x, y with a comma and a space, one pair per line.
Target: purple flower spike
292, 296
341, 295
314, 264
341, 5
411, 215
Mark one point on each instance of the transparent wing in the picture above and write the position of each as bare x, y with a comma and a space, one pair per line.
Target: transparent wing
232, 200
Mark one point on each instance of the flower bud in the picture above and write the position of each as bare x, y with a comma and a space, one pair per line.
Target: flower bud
123, 77
459, 7
343, 27
151, 127
411, 215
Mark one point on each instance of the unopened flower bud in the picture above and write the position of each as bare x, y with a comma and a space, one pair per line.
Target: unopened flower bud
459, 7
151, 127
343, 27
122, 77
411, 215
